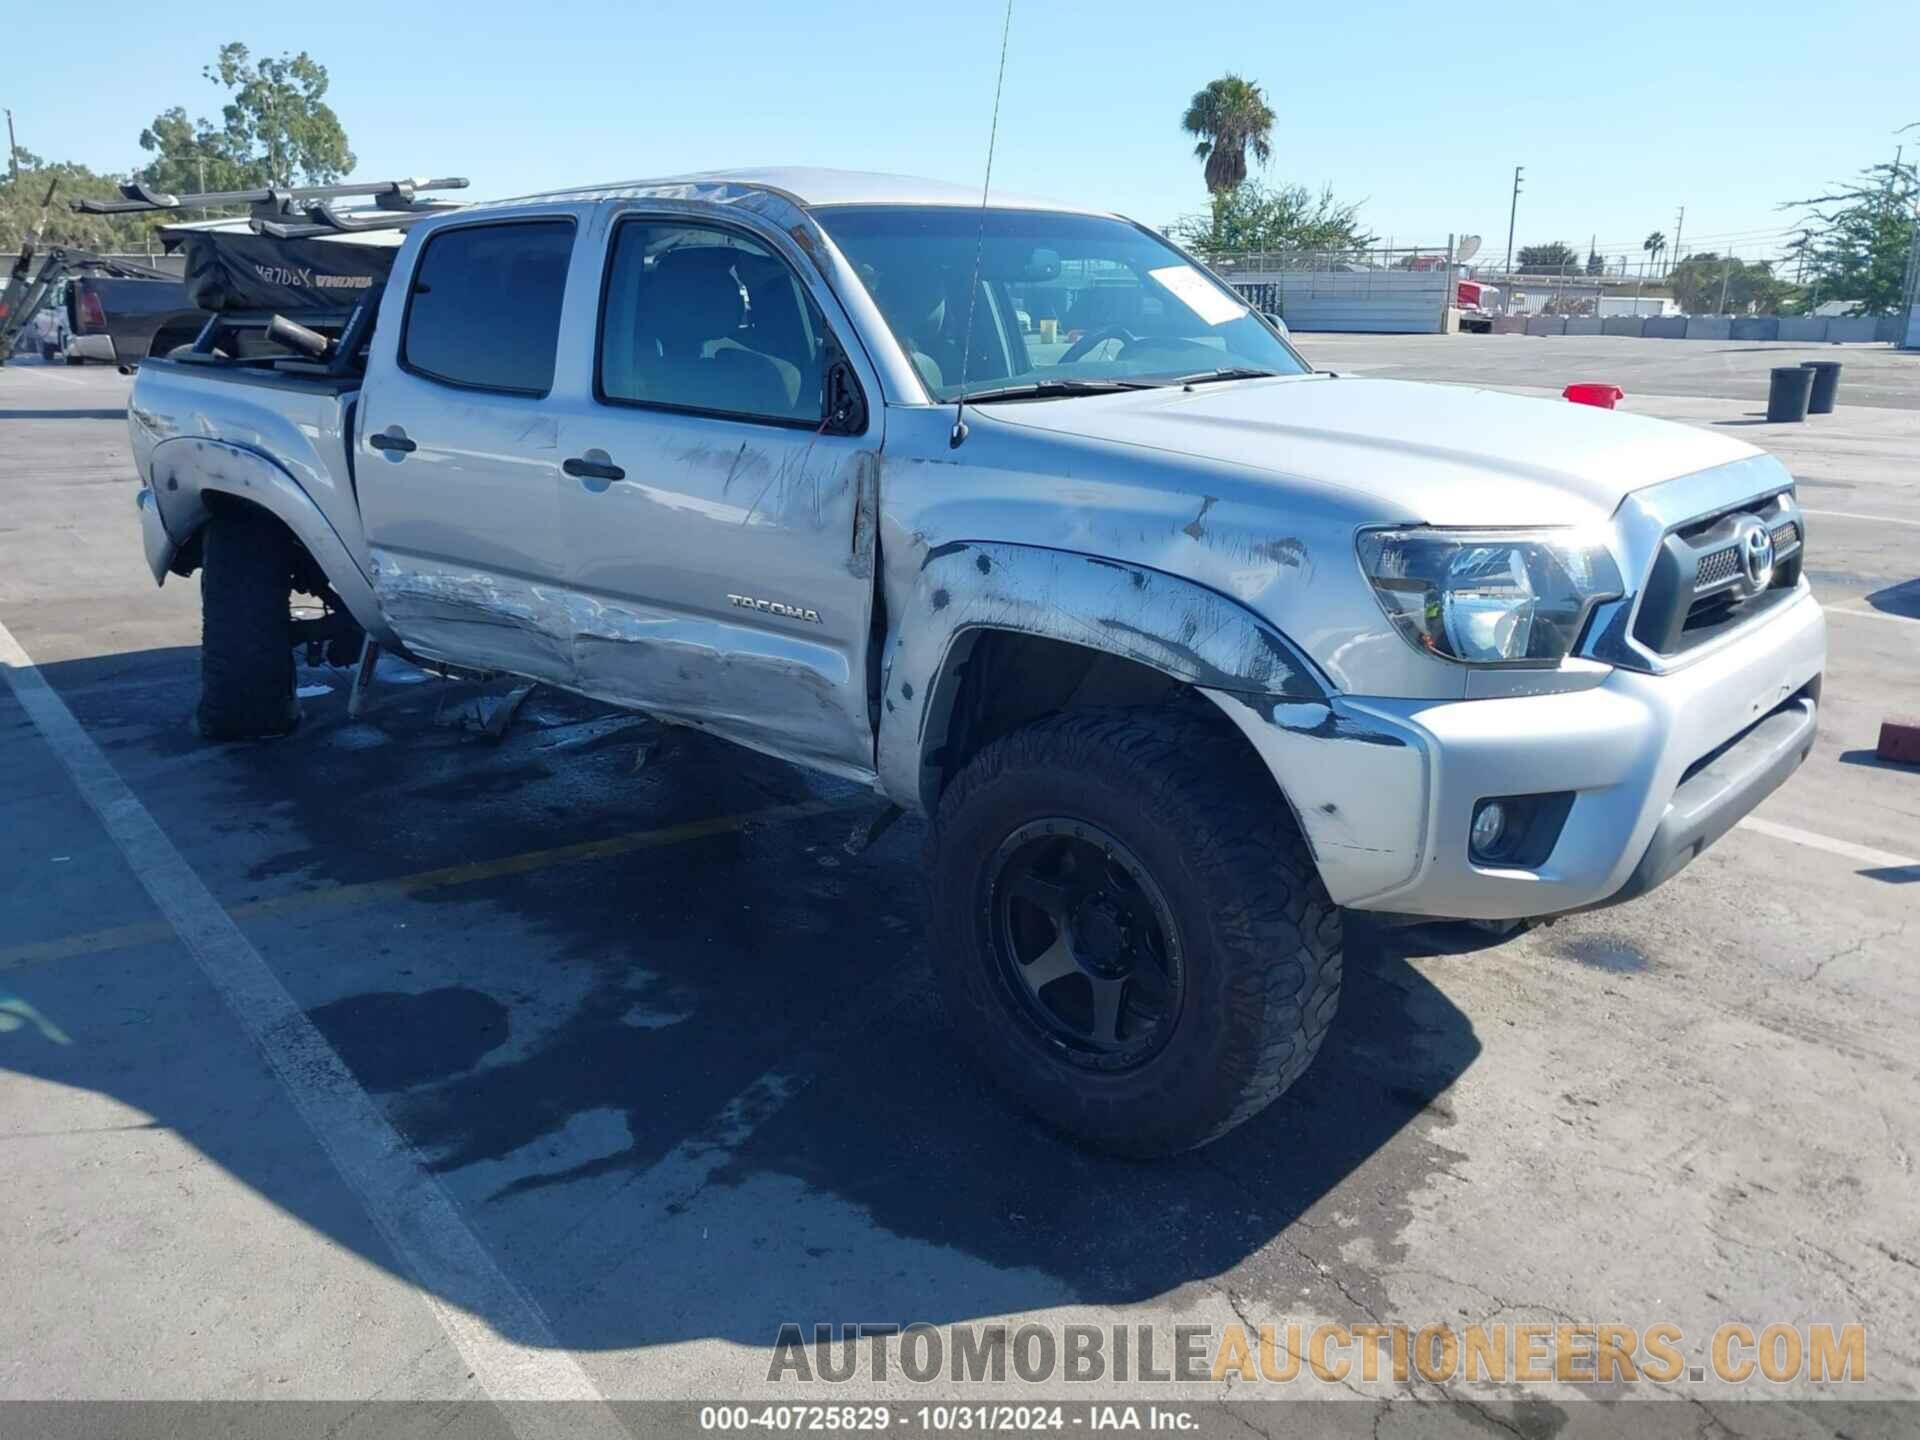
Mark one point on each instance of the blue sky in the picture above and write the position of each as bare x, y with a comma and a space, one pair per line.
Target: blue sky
1620, 114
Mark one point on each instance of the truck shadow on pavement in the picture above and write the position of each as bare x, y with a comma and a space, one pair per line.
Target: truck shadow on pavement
691, 1086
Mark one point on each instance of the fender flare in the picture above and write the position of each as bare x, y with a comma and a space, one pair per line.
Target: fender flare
1175, 626
186, 469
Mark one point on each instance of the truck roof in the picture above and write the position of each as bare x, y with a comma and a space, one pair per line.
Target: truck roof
809, 186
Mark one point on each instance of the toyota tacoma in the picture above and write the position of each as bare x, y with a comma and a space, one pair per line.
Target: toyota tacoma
1020, 516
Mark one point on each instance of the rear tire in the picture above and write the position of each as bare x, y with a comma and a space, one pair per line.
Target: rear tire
1193, 832
246, 636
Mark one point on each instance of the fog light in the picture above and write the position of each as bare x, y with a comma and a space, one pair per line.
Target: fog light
1489, 824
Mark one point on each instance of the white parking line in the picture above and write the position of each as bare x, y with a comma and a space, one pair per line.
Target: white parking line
42, 373
1871, 614
1865, 854
503, 1336
1856, 515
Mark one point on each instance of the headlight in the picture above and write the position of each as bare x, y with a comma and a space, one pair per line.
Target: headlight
1489, 597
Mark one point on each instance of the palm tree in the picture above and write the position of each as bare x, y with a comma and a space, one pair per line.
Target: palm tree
1654, 245
1231, 116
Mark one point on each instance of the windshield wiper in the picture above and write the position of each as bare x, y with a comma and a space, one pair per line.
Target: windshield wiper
1052, 389
1208, 377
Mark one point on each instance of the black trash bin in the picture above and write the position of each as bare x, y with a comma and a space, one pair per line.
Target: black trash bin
1826, 385
1789, 393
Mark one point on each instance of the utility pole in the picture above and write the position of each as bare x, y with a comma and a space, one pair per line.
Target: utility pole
13, 150
1678, 224
1726, 274
1512, 212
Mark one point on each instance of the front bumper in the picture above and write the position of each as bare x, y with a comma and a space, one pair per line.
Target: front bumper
1660, 766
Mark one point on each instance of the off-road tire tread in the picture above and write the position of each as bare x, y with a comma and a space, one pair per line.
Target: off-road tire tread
1269, 924
246, 639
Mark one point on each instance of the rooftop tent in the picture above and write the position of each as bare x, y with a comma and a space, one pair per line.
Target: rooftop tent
230, 268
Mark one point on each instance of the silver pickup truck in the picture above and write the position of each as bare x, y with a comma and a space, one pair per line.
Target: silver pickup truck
1021, 517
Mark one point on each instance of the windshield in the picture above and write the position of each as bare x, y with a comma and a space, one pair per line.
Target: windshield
1065, 302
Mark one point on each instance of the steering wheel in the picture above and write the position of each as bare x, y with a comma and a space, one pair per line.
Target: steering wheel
1080, 348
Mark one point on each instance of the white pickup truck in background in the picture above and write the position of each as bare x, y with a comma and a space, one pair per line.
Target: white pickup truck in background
1024, 519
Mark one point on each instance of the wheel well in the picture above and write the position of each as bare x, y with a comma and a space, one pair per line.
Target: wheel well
308, 577
996, 681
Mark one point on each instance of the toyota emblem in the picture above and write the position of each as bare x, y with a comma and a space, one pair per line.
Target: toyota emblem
1756, 554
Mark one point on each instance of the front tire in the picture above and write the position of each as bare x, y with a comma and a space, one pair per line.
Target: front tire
246, 634
1127, 928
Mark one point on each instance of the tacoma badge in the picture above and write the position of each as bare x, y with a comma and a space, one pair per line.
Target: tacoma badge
774, 607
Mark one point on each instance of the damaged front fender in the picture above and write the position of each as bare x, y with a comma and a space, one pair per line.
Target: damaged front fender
1181, 629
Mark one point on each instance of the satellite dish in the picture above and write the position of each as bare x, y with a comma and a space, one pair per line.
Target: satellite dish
1468, 247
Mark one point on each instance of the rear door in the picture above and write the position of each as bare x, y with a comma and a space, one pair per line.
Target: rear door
457, 460
721, 535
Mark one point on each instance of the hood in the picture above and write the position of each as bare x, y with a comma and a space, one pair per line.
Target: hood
1439, 454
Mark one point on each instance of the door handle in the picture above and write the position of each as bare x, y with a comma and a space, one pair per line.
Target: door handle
582, 468
392, 444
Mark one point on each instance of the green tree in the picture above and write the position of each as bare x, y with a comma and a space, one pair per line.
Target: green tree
1856, 240
1655, 245
24, 209
1557, 258
1231, 117
1253, 216
274, 129
1701, 280
1595, 264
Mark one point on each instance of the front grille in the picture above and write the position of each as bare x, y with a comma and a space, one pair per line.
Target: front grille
1720, 565
1699, 586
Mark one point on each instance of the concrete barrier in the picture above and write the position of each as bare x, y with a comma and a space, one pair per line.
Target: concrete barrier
1546, 325
1635, 325
1584, 325
1756, 327
1665, 327
1509, 324
1709, 327
1804, 328
1889, 328
1851, 327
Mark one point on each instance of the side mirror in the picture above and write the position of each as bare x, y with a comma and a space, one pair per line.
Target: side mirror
1277, 323
844, 405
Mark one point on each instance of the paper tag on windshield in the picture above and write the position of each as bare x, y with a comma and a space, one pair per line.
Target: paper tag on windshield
1192, 289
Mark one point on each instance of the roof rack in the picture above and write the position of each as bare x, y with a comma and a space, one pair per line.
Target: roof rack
271, 202
323, 219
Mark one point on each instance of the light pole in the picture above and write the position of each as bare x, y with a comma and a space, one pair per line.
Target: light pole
1512, 212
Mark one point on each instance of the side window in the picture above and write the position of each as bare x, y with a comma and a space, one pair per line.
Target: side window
695, 318
484, 311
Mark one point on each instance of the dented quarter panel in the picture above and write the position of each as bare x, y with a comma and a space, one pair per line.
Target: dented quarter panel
282, 449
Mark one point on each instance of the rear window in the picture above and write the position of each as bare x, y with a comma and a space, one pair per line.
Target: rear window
484, 311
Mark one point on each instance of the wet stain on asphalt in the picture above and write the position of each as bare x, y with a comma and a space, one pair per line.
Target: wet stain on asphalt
523, 1031
1612, 953
393, 1041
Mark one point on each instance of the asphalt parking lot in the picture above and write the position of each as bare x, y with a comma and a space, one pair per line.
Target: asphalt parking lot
657, 1044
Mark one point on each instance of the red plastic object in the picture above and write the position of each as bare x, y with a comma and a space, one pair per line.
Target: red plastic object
1587, 394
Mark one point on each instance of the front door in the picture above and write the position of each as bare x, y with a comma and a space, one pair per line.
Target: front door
458, 459
720, 539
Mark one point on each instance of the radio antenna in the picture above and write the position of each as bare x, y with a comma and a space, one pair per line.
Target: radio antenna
980, 240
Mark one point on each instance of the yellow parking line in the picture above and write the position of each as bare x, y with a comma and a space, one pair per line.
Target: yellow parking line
369, 892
